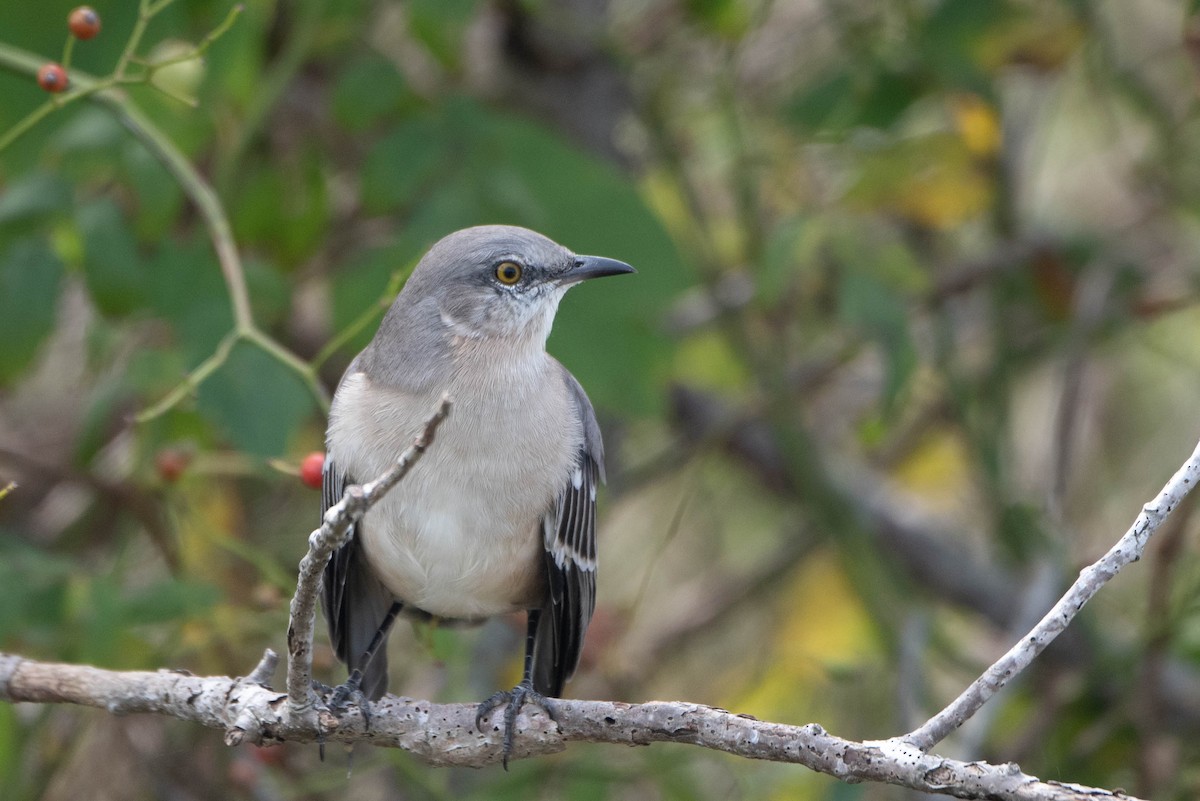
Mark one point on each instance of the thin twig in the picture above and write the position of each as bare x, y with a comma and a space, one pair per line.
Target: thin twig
333, 534
1128, 549
192, 381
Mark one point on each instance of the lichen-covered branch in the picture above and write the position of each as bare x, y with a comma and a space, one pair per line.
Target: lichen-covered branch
445, 734
1128, 549
334, 531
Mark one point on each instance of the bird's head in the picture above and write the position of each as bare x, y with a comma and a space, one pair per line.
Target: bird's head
500, 281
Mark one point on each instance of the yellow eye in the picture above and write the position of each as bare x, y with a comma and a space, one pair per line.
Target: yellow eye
508, 272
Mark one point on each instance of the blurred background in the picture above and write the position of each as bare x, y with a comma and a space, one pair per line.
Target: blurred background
913, 337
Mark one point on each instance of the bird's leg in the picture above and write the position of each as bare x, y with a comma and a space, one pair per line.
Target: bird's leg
352, 687
518, 696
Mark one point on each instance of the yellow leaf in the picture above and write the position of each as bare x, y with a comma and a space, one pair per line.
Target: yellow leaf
937, 470
977, 124
825, 627
707, 360
932, 180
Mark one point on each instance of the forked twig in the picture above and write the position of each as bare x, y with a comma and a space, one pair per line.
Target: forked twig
333, 534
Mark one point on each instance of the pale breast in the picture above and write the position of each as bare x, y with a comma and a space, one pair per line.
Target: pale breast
461, 535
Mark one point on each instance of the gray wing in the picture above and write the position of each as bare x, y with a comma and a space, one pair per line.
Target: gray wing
569, 536
354, 601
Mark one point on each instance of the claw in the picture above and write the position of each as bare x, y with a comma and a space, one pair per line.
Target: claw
516, 698
351, 689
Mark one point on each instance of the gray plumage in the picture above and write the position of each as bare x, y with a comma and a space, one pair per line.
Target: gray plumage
500, 514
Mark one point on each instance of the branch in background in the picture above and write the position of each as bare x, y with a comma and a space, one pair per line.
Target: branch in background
932, 557
935, 562
119, 494
445, 734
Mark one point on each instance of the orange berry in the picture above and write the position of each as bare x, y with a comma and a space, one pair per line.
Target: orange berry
84, 22
273, 755
52, 78
312, 468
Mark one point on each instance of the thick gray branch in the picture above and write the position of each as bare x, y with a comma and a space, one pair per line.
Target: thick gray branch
445, 734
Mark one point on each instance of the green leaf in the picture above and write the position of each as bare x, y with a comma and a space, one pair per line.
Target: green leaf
950, 35
185, 287
873, 306
159, 197
403, 163
874, 95
90, 129
31, 589
780, 258
441, 26
827, 104
33, 197
116, 277
729, 18
170, 600
256, 401
284, 209
270, 293
369, 90
30, 278
888, 96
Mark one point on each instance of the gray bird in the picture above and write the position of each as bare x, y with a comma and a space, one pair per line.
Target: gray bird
500, 514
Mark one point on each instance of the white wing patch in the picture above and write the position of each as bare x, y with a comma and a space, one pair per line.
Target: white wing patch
569, 532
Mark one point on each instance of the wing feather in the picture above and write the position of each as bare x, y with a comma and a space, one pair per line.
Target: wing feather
354, 601
569, 537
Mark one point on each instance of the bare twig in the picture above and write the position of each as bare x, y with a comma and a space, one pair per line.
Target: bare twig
333, 534
1128, 549
445, 734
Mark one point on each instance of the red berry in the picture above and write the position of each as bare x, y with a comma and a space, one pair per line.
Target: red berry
269, 755
170, 463
52, 78
84, 22
311, 469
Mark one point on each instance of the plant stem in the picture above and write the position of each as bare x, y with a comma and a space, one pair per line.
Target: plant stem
192, 382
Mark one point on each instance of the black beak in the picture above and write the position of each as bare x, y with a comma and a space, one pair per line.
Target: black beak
586, 267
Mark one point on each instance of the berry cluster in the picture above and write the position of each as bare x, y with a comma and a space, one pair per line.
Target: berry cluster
84, 23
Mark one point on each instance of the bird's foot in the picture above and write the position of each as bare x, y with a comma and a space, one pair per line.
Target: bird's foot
351, 689
516, 698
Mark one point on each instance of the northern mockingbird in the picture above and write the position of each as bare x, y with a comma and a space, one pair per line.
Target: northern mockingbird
500, 515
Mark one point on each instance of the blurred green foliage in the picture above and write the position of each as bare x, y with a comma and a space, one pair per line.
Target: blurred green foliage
945, 249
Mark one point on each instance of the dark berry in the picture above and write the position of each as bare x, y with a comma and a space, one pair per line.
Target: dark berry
84, 22
52, 78
170, 463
